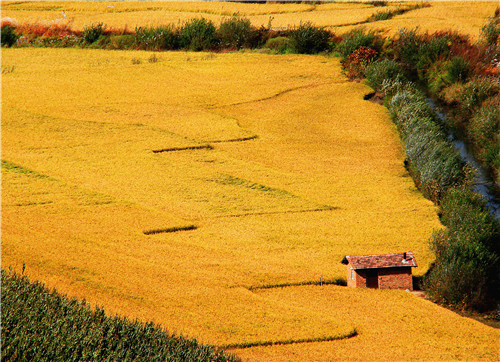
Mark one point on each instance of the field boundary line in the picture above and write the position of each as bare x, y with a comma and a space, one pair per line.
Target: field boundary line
335, 281
351, 334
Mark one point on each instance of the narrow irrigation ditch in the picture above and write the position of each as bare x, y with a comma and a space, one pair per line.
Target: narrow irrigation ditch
483, 184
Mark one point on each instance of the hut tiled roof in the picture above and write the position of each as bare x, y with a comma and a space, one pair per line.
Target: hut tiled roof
380, 261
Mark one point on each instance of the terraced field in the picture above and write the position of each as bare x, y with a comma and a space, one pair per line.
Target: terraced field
169, 189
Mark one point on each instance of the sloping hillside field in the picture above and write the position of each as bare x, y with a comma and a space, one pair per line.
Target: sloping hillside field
275, 165
185, 188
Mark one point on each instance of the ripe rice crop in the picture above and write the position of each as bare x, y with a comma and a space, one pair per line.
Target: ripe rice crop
289, 203
278, 162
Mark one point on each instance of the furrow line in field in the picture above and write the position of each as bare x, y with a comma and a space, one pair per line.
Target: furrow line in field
312, 85
170, 229
327, 208
173, 149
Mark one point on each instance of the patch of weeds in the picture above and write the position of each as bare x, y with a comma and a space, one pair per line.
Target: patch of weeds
93, 32
8, 69
136, 61
153, 58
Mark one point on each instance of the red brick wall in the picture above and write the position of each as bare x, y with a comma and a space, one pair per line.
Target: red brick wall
395, 278
388, 278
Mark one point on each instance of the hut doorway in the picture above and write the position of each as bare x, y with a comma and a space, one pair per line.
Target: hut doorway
372, 279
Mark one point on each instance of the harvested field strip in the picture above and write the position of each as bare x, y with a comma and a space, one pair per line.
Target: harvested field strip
351, 334
170, 230
173, 149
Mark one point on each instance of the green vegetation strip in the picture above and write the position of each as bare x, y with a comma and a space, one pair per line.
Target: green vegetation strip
351, 334
43, 325
334, 281
173, 149
6, 165
170, 230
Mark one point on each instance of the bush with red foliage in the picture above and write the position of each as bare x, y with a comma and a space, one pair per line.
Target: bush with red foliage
356, 63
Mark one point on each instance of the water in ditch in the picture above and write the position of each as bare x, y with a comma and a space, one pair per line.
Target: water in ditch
483, 184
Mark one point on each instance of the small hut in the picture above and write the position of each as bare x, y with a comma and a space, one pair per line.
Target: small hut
385, 271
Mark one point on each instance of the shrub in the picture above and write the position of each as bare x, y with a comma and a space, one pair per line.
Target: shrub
92, 32
156, 38
280, 44
198, 34
407, 46
457, 70
475, 92
235, 33
463, 274
485, 125
466, 267
9, 35
308, 39
355, 39
381, 70
356, 63
491, 31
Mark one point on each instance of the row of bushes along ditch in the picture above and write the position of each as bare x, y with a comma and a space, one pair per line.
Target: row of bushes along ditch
196, 35
461, 75
42, 325
464, 77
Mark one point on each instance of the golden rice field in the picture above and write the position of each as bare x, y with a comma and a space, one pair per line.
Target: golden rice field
467, 17
324, 178
276, 161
